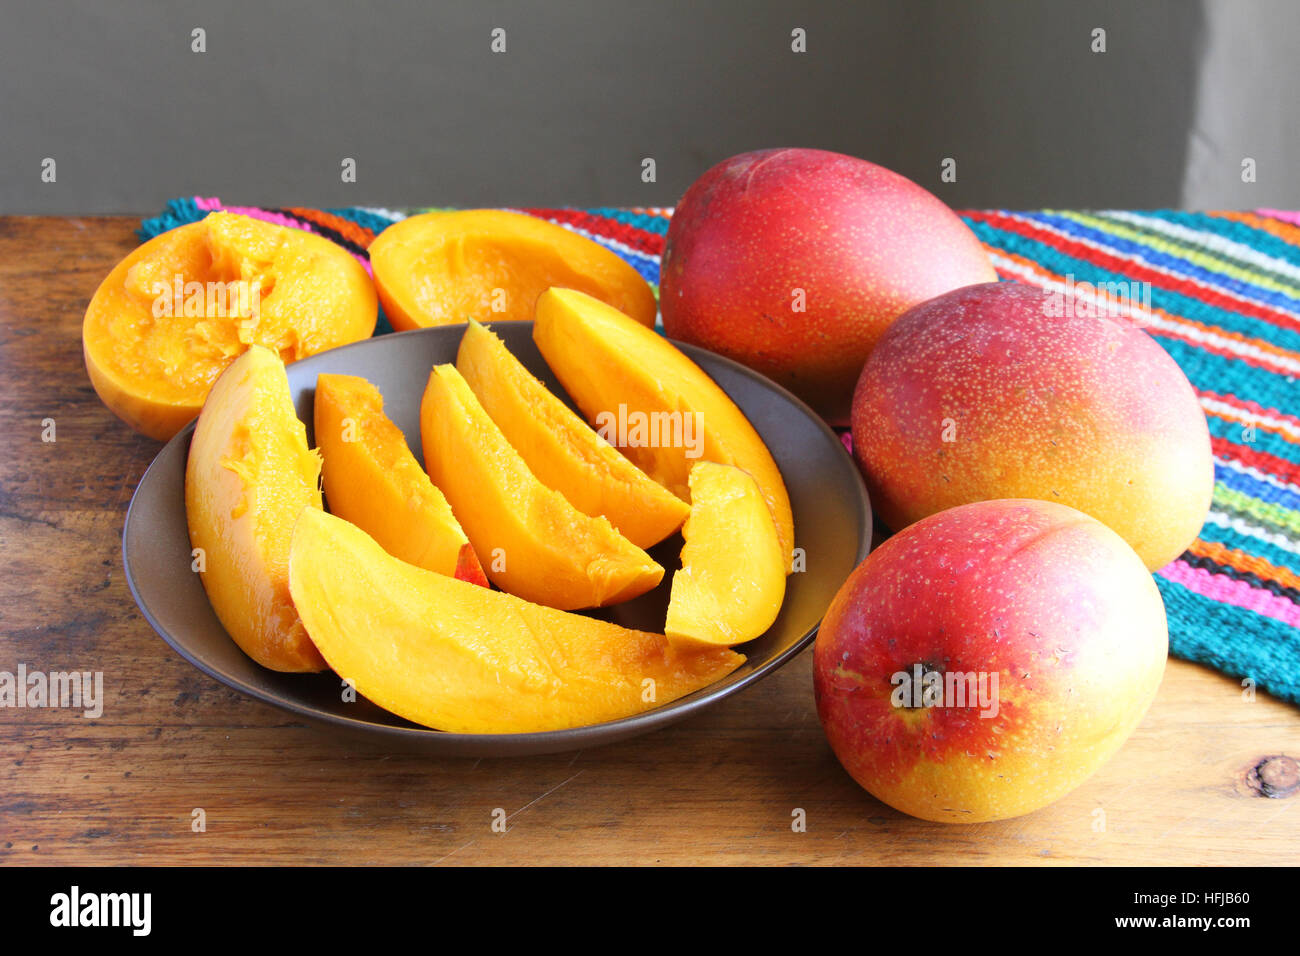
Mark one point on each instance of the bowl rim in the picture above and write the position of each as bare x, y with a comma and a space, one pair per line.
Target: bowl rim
534, 741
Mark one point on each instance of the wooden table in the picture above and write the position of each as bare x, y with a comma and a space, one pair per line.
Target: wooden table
720, 788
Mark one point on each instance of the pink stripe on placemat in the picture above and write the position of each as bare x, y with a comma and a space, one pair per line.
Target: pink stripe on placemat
1286, 215
1220, 587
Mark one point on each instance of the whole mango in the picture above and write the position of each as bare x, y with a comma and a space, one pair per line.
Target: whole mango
795, 261
985, 661
1008, 391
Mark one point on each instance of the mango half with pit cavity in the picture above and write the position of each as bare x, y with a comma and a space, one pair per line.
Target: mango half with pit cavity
178, 310
466, 659
440, 268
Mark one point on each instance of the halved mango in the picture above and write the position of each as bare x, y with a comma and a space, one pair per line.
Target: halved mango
530, 540
560, 449
460, 658
372, 479
175, 312
732, 579
249, 475
618, 371
439, 268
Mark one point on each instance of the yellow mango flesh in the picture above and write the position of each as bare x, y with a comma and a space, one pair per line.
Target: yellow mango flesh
153, 349
560, 449
249, 475
604, 360
732, 580
466, 659
441, 268
529, 539
372, 480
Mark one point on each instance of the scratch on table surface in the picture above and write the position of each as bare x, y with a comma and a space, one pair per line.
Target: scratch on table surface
454, 852
544, 796
846, 848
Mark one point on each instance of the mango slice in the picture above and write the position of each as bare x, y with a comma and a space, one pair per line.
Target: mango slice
628, 377
732, 579
530, 540
441, 268
456, 657
249, 475
372, 480
175, 312
560, 449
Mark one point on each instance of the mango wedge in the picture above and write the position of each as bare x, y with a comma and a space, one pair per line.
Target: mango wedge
618, 370
461, 658
529, 539
372, 479
560, 449
248, 476
732, 580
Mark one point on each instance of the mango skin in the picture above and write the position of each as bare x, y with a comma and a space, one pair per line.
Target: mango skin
981, 394
864, 244
1051, 601
248, 476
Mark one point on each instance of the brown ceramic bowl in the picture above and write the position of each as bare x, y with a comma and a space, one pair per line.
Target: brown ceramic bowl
832, 521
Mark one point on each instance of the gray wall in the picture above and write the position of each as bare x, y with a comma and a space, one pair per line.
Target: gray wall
288, 88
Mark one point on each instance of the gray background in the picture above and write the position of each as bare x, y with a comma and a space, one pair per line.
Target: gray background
585, 91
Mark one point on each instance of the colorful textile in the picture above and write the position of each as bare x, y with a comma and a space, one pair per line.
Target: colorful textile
1219, 290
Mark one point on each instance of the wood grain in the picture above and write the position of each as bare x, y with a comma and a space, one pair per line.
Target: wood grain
721, 788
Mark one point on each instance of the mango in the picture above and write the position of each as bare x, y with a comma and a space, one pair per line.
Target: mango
529, 539
178, 310
440, 268
628, 379
985, 661
560, 450
1004, 390
795, 261
372, 480
466, 659
731, 583
248, 476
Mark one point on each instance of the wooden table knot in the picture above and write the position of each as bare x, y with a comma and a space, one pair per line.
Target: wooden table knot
1277, 777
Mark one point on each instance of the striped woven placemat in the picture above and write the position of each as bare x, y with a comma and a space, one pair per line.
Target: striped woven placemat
1224, 300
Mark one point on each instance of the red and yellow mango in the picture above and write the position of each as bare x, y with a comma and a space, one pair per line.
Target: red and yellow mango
1002, 391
